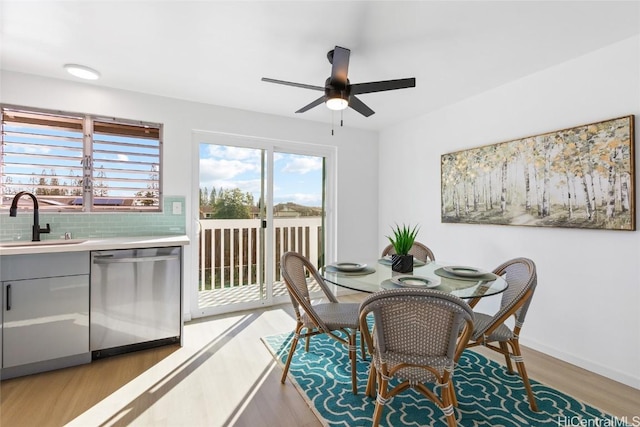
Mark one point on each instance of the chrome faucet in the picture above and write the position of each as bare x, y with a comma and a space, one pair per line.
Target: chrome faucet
13, 211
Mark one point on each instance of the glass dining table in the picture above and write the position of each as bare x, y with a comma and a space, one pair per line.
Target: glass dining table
461, 281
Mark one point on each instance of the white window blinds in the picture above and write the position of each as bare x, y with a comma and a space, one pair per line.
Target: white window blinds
80, 162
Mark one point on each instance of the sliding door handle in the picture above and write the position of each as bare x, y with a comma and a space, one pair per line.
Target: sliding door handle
8, 297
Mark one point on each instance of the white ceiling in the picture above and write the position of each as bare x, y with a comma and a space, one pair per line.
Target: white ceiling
216, 52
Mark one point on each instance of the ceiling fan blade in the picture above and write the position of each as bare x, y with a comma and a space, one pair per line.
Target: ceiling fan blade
282, 82
369, 87
311, 105
360, 106
340, 65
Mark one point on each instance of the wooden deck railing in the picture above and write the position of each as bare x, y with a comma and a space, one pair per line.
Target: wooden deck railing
229, 248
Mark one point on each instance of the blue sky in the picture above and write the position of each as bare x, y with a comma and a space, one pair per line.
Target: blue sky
297, 178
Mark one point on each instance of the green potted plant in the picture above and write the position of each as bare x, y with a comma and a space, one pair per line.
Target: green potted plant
402, 241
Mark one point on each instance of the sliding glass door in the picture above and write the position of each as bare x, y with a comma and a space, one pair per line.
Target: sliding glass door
231, 213
256, 200
298, 209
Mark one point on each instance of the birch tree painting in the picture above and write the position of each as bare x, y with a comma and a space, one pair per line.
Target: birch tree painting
581, 177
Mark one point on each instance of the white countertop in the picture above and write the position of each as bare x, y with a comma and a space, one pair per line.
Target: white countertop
77, 245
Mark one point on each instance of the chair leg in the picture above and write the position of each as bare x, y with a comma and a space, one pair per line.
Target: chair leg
353, 357
515, 345
306, 343
362, 349
507, 356
452, 392
294, 344
447, 393
382, 396
371, 381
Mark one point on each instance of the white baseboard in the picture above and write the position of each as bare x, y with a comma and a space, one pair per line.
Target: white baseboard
606, 371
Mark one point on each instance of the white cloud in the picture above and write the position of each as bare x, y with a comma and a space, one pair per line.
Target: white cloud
211, 169
303, 165
232, 153
35, 150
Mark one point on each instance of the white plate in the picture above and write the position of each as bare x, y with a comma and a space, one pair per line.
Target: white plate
464, 271
348, 266
410, 281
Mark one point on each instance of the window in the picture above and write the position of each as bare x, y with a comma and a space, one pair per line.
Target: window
75, 162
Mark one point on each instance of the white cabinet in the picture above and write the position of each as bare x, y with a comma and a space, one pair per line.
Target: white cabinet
45, 319
45, 300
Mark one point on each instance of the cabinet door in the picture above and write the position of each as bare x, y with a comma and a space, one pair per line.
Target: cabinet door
45, 319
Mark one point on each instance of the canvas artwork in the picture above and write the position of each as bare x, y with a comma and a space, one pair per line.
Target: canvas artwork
581, 177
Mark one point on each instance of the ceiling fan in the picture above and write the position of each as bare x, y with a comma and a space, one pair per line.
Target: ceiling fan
339, 93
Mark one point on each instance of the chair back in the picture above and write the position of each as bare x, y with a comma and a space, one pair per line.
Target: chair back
297, 271
418, 250
416, 322
522, 278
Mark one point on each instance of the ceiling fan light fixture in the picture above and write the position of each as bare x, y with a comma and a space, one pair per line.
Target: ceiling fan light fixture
339, 93
337, 103
82, 71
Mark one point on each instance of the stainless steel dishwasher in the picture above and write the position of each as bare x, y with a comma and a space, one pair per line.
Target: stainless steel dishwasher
135, 299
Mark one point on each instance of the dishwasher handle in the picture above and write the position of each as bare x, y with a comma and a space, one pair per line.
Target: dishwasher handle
108, 259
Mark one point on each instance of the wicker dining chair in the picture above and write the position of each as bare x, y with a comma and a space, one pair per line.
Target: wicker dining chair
332, 318
418, 250
489, 330
415, 340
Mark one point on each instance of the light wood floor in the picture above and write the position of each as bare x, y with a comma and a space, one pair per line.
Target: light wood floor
223, 376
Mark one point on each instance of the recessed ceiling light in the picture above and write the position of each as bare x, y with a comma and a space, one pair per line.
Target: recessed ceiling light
82, 72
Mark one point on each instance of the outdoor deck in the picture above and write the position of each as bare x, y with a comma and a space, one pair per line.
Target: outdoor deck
235, 295
236, 242
240, 294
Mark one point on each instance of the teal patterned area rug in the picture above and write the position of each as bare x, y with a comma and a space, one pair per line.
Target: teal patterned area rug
487, 394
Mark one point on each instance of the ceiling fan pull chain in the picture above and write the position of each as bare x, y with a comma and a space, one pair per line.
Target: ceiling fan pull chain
332, 115
341, 117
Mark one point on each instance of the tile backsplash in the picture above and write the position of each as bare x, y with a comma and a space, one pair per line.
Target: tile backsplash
98, 225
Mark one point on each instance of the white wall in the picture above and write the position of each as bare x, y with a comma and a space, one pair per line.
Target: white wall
586, 306
357, 193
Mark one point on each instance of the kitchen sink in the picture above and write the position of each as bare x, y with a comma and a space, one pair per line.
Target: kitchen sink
26, 243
